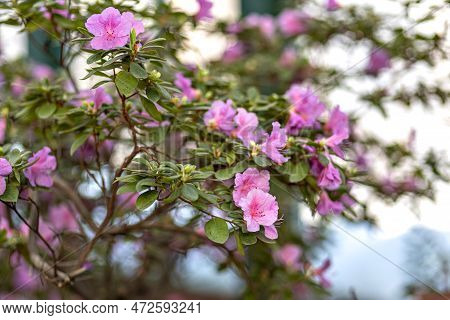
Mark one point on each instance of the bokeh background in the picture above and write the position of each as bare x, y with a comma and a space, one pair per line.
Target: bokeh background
411, 241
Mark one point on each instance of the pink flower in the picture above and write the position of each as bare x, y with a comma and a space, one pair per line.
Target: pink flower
111, 29
101, 97
292, 22
41, 72
204, 11
62, 218
338, 125
39, 172
260, 209
319, 273
97, 97
18, 86
220, 116
288, 57
326, 206
3, 126
332, 5
248, 180
307, 107
185, 85
274, 143
265, 23
329, 178
233, 52
5, 170
246, 122
379, 59
289, 256
234, 28
62, 12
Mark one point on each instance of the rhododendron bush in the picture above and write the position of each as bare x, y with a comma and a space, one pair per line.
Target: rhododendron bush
166, 158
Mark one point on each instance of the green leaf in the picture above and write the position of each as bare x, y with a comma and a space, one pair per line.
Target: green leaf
11, 193
126, 83
95, 57
46, 110
137, 71
216, 230
13, 156
296, 171
228, 173
153, 94
126, 188
262, 161
248, 239
146, 199
151, 109
189, 191
78, 142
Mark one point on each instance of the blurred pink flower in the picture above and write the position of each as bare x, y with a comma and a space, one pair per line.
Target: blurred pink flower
250, 179
338, 126
41, 72
220, 116
307, 107
233, 52
185, 85
18, 86
260, 209
332, 5
320, 273
246, 122
5, 170
379, 59
274, 143
289, 256
39, 172
62, 218
292, 22
329, 178
326, 206
265, 23
288, 57
204, 10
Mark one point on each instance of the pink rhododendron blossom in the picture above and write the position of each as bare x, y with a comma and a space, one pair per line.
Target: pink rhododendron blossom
18, 86
234, 28
332, 5
101, 97
39, 173
41, 72
112, 29
260, 209
204, 10
137, 25
5, 170
316, 167
233, 52
62, 12
327, 206
329, 178
289, 256
24, 277
379, 59
271, 232
220, 116
62, 218
274, 143
307, 107
87, 151
338, 126
246, 122
320, 273
185, 85
250, 179
292, 22
265, 23
288, 57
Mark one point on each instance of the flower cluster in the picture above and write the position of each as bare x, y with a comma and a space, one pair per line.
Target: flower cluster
244, 125
41, 166
251, 194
